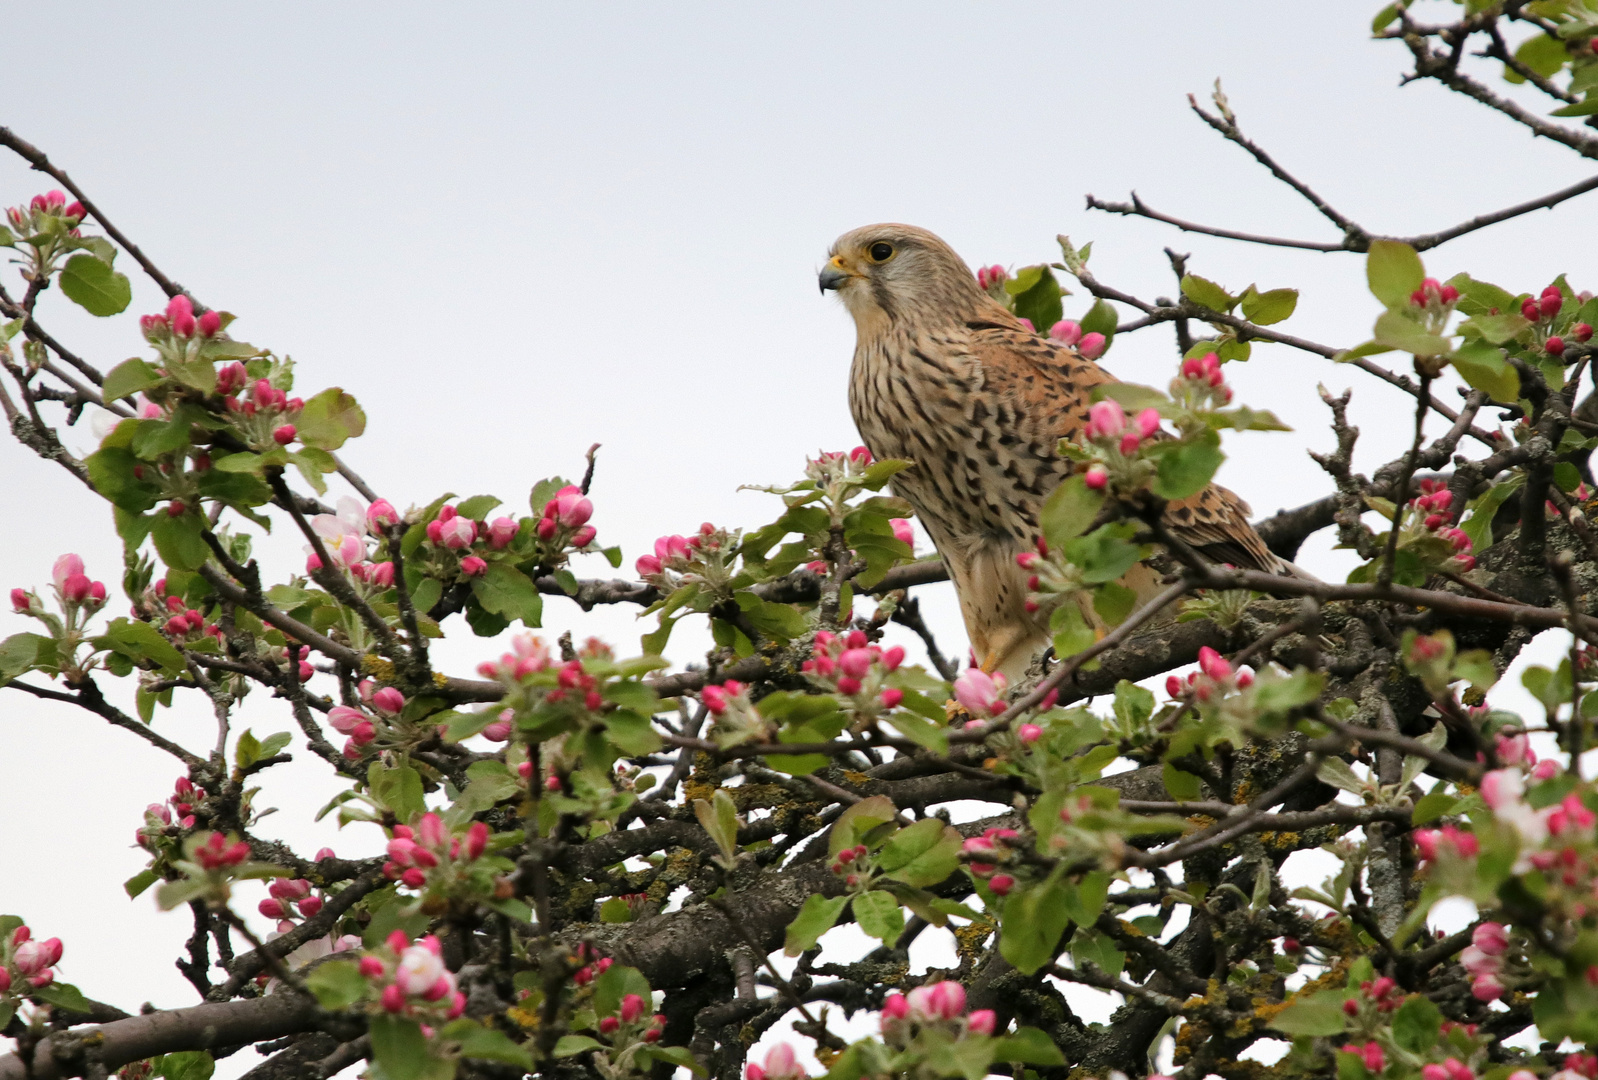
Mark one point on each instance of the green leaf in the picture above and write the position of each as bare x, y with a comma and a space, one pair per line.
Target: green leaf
491, 1044
141, 641
1393, 271
1543, 54
1266, 308
329, 419
1206, 293
814, 919
20, 652
505, 590
1396, 330
923, 855
1033, 920
128, 378
111, 471
179, 540
879, 916
94, 286
1131, 396
337, 984
139, 882
1484, 368
616, 984
1041, 301
398, 788
1070, 631
1028, 1046
1187, 467
572, 1045
781, 621
863, 817
186, 1065
1320, 1014
399, 1047
1183, 786
489, 783
1417, 1024
1085, 900
1069, 510
1113, 603
679, 1056
477, 507
63, 996
1428, 808
719, 817
1100, 319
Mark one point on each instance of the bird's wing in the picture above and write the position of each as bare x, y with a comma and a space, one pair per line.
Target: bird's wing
1050, 388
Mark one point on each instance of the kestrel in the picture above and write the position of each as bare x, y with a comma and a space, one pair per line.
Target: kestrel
947, 377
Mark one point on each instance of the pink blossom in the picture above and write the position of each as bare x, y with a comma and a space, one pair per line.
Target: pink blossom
380, 515
894, 1007
1487, 988
979, 693
393, 999
781, 1064
1477, 962
903, 532
389, 699
501, 531
1096, 477
1105, 418
891, 697
476, 840
1213, 663
1026, 322
584, 536
311, 906
892, 657
32, 957
66, 566
1375, 1060
419, 969
1092, 346
458, 532
1001, 884
647, 566
209, 324
855, 662
569, 508
75, 589
1148, 422
472, 566
1066, 332
1546, 769
21, 600
381, 574
344, 719
499, 730
1029, 733
1502, 787
982, 1021
940, 1001
1515, 749
632, 1007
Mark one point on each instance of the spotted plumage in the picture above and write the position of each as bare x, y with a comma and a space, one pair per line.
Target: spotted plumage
945, 376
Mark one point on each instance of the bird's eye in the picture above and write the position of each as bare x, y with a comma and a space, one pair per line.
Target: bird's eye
880, 252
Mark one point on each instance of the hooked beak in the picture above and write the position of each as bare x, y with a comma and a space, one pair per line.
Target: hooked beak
833, 275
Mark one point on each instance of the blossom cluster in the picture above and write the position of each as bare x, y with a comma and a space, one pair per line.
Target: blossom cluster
74, 591
431, 851
28, 961
781, 1063
411, 979
849, 664
984, 854
565, 519
288, 896
735, 718
1214, 678
941, 1003
43, 210
1068, 332
178, 809
1117, 438
365, 727
706, 557
1200, 384
264, 414
633, 1019
179, 321
1432, 519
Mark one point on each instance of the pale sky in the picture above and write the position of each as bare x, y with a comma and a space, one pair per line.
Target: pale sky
515, 230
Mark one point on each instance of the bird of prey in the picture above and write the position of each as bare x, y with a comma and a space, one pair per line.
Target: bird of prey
947, 377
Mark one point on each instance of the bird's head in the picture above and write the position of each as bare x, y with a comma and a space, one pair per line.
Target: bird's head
884, 273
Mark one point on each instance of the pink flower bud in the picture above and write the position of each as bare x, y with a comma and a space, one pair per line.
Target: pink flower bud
1555, 346
1148, 422
380, 515
1096, 477
1581, 331
1001, 884
584, 536
21, 601
414, 878
389, 699
32, 957
1105, 418
1213, 664
981, 1021
458, 532
902, 531
310, 906
1491, 938
1092, 346
1375, 1060
501, 531
65, 567
979, 693
860, 456
284, 434
476, 840
393, 999
1487, 988
895, 1007
1550, 304
1502, 787
648, 566
272, 909
632, 1007
855, 662
472, 566
891, 697
1029, 733
1433, 1072
609, 1024
1026, 322
75, 589
1067, 332
344, 719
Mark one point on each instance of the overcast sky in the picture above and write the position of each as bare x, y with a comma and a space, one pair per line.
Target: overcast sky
515, 230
